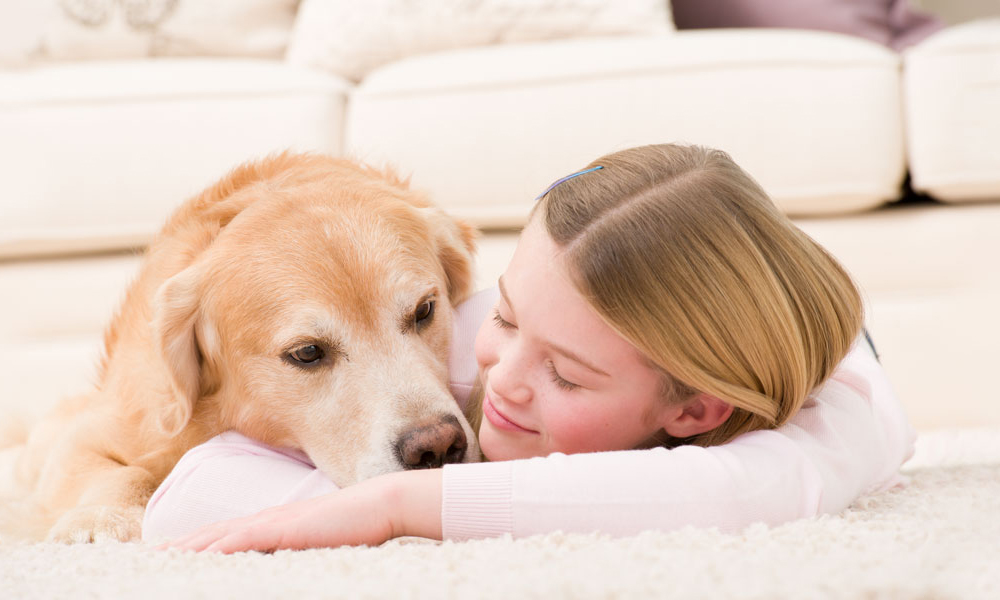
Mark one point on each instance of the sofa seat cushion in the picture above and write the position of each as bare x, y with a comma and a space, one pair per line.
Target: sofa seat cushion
351, 38
814, 116
96, 155
929, 277
52, 315
952, 85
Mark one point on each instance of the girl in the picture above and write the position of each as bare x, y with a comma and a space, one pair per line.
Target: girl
665, 349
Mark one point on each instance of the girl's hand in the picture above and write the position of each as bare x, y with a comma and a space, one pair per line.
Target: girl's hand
369, 513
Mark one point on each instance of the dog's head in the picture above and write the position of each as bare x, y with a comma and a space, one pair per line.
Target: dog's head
319, 318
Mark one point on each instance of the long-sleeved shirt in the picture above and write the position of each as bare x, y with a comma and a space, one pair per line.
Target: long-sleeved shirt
849, 438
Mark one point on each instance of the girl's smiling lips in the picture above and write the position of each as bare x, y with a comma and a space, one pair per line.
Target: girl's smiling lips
498, 420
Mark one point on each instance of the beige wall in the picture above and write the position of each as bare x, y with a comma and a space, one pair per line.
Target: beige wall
959, 11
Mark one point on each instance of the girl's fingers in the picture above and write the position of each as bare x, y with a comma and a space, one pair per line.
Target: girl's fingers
183, 542
195, 542
256, 532
342, 518
202, 538
245, 540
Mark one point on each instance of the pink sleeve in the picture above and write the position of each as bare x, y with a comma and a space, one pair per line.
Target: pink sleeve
227, 477
849, 439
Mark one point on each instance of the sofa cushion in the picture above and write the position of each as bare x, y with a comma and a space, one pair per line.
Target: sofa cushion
952, 85
52, 315
33, 30
893, 23
814, 116
96, 155
929, 277
351, 38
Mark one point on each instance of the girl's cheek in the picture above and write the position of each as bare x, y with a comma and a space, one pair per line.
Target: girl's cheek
569, 431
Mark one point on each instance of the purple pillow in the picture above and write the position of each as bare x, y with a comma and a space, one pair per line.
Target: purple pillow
891, 23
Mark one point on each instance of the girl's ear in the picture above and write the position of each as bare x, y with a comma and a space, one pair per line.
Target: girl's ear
698, 414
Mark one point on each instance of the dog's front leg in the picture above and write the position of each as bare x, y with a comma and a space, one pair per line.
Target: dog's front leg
110, 506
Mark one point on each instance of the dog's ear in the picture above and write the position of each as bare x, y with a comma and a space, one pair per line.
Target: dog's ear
175, 317
456, 241
455, 238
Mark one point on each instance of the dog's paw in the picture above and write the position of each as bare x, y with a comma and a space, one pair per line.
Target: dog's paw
87, 524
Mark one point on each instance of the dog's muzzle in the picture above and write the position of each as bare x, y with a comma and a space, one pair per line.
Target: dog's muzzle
431, 445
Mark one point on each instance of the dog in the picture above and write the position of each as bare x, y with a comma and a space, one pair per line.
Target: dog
304, 301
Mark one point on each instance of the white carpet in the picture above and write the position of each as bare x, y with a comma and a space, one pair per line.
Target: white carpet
939, 537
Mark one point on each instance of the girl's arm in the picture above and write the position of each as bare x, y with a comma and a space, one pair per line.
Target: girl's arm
228, 476
849, 439
368, 513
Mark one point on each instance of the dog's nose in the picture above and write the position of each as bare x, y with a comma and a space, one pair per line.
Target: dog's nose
432, 445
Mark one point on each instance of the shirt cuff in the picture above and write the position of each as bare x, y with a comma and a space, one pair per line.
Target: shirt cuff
476, 501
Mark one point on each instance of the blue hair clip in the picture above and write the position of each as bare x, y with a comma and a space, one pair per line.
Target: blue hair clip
566, 178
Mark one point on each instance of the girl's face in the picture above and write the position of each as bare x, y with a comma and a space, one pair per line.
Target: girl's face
556, 377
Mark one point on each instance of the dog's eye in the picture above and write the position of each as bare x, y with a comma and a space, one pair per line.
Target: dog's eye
306, 354
424, 313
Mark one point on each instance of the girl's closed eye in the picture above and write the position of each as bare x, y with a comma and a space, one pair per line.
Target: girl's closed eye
500, 321
558, 380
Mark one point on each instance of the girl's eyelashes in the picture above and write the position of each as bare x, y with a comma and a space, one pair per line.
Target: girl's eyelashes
566, 385
556, 378
500, 322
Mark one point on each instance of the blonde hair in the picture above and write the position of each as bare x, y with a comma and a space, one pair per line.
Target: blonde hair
684, 255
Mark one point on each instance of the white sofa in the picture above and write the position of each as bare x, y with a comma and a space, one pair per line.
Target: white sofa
94, 155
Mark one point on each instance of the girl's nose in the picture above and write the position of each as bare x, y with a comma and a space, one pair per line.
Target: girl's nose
507, 377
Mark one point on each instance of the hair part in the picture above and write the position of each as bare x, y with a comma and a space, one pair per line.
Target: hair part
684, 255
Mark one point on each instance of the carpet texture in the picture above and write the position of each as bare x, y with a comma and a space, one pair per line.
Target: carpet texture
938, 537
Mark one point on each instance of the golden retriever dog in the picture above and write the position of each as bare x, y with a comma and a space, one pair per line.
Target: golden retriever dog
304, 301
